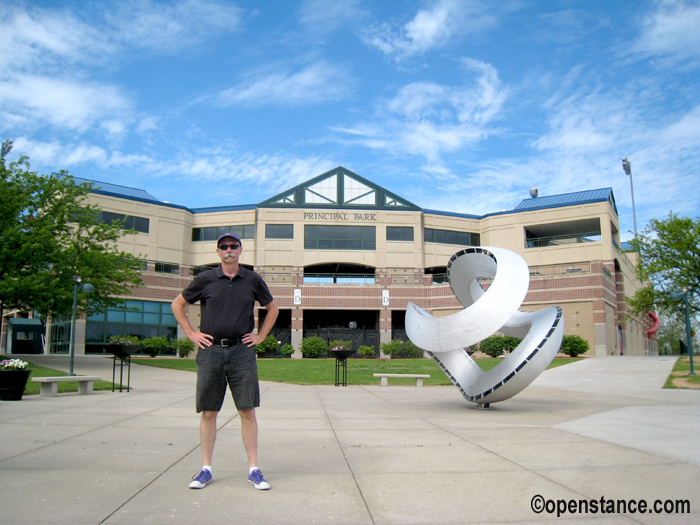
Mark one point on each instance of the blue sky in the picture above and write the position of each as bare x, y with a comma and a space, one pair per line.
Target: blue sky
455, 105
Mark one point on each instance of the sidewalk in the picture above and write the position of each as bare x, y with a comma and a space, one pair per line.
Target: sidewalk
601, 427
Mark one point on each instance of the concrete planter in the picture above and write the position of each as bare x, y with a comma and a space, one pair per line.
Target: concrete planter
13, 383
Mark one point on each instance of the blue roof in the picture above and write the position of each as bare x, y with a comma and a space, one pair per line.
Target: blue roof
117, 189
568, 199
452, 214
214, 209
537, 203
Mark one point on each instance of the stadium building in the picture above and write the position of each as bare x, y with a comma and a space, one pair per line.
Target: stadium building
343, 257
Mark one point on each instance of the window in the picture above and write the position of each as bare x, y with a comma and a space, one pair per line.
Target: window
399, 233
140, 318
451, 237
279, 231
162, 267
196, 270
321, 237
211, 233
140, 224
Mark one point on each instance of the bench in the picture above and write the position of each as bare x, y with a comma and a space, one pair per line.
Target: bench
384, 381
49, 385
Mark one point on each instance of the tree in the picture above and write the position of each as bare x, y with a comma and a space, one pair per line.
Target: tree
313, 347
154, 346
573, 345
48, 234
669, 260
268, 346
672, 331
497, 345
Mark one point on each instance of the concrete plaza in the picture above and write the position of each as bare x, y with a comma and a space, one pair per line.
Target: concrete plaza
599, 428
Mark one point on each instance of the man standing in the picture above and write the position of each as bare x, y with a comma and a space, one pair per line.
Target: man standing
226, 349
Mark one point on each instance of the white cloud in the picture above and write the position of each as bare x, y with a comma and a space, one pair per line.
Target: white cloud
591, 130
32, 100
430, 120
670, 34
324, 16
167, 27
54, 156
238, 177
443, 22
46, 56
316, 83
33, 37
46, 40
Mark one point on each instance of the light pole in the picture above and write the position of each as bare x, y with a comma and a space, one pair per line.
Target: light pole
87, 288
627, 167
677, 296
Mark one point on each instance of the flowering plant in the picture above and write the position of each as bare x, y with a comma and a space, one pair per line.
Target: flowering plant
13, 364
124, 339
336, 349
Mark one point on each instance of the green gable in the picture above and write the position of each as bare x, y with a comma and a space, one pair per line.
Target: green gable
339, 188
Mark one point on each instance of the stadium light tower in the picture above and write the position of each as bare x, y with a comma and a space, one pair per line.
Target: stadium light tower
627, 167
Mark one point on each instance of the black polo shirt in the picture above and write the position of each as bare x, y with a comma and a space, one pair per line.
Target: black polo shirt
227, 304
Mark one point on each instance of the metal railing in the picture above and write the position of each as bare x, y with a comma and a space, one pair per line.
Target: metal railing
559, 269
339, 278
559, 240
439, 278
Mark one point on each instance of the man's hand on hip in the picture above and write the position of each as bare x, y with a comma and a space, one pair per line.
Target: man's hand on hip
252, 339
200, 339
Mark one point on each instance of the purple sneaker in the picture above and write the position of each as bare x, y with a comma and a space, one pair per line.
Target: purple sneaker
199, 481
256, 478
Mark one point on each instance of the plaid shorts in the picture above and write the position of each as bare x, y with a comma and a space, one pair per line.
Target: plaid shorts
218, 365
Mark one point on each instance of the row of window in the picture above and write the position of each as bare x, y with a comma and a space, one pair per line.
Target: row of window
129, 222
335, 237
212, 233
451, 237
313, 235
338, 237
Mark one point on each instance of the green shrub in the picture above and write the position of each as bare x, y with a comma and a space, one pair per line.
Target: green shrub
396, 349
154, 346
268, 346
313, 347
287, 350
497, 345
368, 351
184, 347
573, 345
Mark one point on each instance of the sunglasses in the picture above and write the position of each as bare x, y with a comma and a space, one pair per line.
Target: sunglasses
224, 247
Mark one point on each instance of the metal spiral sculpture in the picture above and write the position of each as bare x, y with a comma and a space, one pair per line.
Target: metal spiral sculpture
486, 312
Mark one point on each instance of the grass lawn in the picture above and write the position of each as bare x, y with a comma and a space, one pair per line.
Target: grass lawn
322, 371
68, 386
679, 377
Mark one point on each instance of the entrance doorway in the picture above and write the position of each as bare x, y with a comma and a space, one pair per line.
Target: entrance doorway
359, 326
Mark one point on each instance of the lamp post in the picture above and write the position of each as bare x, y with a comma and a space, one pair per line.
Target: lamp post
677, 296
87, 288
627, 167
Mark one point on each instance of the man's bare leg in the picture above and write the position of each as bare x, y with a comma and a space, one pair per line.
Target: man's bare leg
249, 433
207, 435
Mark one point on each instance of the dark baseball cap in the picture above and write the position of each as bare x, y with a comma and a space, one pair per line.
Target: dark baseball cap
232, 235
